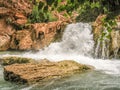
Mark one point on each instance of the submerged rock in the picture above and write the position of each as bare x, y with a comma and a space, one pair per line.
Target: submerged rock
43, 71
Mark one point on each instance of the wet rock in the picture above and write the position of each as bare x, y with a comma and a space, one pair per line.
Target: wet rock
43, 71
97, 27
112, 44
12, 60
44, 33
115, 47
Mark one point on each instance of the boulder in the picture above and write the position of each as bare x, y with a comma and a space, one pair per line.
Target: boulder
45, 70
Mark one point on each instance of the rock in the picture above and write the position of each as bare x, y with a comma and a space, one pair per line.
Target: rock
97, 27
13, 60
22, 6
113, 44
22, 40
44, 33
6, 28
26, 43
4, 42
4, 11
21, 21
20, 16
15, 12
43, 71
6, 32
17, 34
115, 35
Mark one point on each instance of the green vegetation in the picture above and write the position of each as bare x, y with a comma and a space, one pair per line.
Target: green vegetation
88, 10
39, 13
108, 25
43, 11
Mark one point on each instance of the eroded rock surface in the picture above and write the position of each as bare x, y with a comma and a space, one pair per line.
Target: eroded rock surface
17, 34
6, 32
43, 71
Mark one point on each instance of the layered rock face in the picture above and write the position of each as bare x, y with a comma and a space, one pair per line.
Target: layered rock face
17, 34
44, 70
110, 47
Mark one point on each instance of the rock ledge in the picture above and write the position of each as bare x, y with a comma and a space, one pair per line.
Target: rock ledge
45, 70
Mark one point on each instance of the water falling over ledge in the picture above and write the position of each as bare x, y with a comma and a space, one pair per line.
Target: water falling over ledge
77, 44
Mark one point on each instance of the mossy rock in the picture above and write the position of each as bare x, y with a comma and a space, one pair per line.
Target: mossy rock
13, 60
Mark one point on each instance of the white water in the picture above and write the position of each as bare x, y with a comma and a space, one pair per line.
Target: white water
77, 44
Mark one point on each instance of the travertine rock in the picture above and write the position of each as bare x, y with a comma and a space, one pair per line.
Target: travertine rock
17, 34
6, 32
114, 39
22, 40
43, 71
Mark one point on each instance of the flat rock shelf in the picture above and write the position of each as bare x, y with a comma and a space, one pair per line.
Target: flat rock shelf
31, 73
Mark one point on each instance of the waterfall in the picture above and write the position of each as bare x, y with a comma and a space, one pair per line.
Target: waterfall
77, 39
77, 44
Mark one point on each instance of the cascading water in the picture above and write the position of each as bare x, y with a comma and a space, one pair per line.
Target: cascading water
77, 44
77, 39
102, 47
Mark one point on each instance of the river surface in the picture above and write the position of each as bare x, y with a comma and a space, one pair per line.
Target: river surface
77, 44
93, 80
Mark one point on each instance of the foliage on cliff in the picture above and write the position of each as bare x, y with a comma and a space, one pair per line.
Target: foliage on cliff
90, 9
87, 10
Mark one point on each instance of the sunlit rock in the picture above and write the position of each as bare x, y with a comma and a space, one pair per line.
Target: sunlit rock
43, 71
21, 40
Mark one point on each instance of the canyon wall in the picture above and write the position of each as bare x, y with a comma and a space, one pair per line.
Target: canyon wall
17, 34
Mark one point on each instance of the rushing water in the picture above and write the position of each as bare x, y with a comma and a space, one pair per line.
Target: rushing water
77, 44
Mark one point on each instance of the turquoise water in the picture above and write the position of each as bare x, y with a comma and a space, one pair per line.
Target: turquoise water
93, 80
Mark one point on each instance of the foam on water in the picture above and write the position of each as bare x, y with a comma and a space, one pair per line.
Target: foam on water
77, 44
